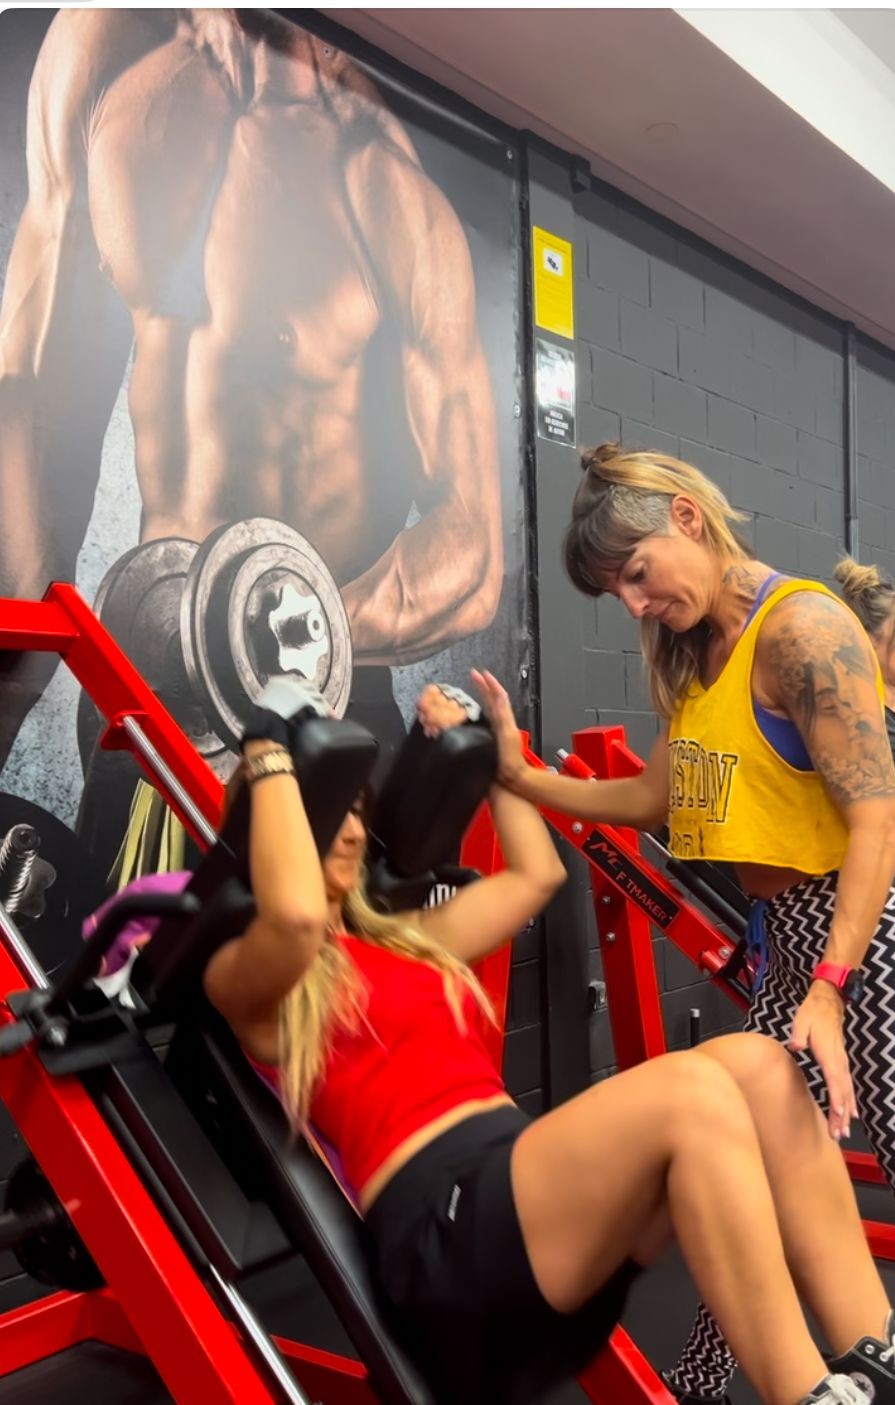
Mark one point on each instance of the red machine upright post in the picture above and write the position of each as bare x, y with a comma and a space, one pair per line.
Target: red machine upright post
626, 944
626, 947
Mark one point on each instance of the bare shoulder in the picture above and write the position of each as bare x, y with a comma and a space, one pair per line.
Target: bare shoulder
357, 102
818, 667
87, 47
409, 224
83, 52
810, 631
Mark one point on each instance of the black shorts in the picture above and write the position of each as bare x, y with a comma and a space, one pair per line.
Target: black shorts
451, 1256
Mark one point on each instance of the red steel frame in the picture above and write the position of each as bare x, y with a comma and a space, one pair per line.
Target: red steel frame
629, 894
155, 1301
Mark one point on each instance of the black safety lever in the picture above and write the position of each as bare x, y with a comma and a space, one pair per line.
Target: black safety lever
47, 1015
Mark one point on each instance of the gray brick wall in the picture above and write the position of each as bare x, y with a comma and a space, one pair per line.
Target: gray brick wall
684, 349
876, 454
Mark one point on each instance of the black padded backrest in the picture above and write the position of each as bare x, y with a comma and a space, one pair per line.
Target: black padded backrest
319, 1220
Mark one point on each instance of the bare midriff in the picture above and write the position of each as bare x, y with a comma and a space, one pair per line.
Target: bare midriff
762, 881
420, 1138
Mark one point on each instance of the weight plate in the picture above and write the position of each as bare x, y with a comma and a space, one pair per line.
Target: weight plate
57, 1255
241, 576
73, 888
285, 617
138, 601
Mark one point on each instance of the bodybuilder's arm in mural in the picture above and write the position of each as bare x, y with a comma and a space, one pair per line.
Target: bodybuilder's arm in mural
440, 579
64, 336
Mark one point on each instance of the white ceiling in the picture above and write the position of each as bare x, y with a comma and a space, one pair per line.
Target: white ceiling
661, 112
876, 28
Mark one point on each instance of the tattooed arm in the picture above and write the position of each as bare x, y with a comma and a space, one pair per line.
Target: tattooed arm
815, 663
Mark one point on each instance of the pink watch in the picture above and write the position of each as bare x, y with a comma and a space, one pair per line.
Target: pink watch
848, 981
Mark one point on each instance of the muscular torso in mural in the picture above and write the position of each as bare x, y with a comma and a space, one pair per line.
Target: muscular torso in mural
244, 264
244, 211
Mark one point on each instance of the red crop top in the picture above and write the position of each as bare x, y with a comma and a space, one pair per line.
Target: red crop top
406, 1064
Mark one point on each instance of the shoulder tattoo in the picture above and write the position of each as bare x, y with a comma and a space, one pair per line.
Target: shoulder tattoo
821, 668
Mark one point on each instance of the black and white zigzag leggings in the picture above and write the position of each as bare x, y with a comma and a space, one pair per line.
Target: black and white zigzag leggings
797, 924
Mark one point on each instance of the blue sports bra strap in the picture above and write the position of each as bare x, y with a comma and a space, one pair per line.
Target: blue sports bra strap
764, 591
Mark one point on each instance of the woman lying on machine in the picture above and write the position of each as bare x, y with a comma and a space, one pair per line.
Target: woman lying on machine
508, 1244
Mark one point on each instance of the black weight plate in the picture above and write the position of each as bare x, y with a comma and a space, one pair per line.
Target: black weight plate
77, 890
57, 1255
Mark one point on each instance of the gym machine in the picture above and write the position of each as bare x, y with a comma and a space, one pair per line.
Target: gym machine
129, 1186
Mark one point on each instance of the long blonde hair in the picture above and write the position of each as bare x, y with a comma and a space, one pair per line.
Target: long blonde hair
331, 996
869, 591
626, 495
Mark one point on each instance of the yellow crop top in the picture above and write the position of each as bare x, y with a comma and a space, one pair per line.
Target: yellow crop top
731, 795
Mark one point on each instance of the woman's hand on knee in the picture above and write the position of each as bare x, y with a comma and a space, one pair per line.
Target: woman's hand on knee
818, 1026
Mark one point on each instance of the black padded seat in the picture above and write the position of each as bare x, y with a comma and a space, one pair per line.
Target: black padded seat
242, 1112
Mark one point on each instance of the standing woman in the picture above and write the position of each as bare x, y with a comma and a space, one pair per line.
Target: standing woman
870, 592
772, 755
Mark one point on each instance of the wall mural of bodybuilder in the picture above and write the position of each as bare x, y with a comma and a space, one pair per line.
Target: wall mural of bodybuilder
257, 359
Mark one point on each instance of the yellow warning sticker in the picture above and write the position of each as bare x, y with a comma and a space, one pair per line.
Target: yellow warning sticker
553, 288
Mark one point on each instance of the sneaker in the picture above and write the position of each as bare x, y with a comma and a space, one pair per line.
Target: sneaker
871, 1365
687, 1397
837, 1390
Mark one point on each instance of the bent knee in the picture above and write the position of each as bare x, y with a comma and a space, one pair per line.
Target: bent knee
696, 1083
754, 1059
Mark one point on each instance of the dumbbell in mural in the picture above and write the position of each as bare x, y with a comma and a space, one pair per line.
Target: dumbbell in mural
209, 625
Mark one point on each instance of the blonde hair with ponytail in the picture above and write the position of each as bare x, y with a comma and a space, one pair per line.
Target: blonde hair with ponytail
331, 996
869, 591
625, 496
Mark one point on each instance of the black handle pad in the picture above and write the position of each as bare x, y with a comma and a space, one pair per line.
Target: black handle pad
432, 791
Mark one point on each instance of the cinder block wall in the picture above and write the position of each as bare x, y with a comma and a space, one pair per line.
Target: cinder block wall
876, 454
